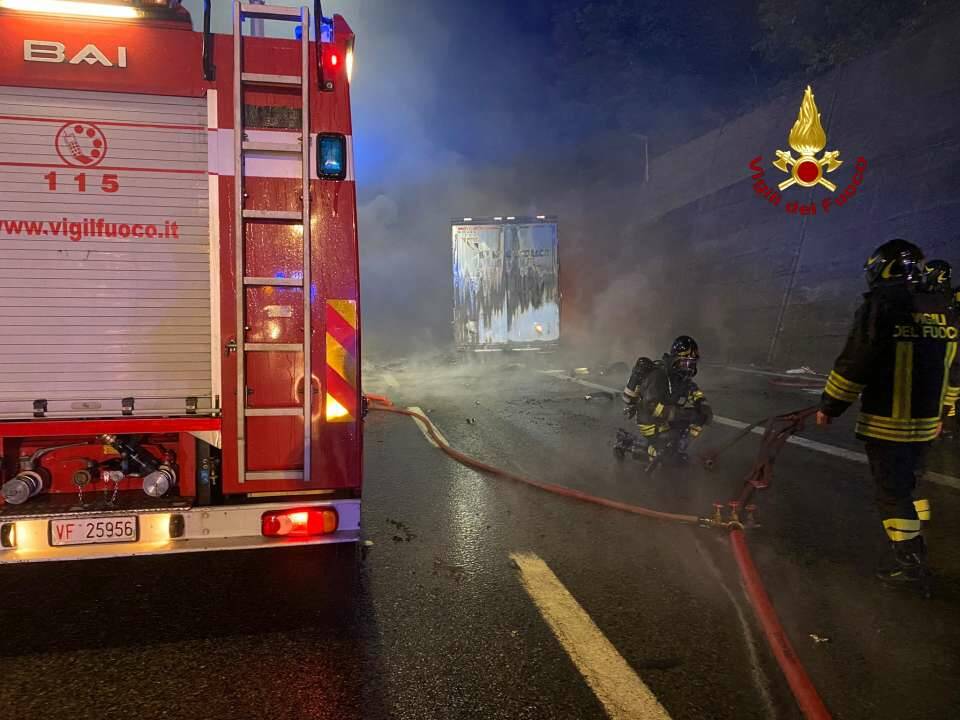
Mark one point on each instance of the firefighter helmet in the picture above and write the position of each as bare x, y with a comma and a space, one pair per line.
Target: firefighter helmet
896, 262
684, 356
937, 276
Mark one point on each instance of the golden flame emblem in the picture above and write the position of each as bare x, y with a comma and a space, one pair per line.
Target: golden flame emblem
807, 138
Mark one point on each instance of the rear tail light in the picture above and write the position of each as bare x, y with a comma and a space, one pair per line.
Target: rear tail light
299, 522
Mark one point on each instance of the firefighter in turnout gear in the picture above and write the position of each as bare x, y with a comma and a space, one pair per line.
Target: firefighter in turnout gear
938, 276
669, 408
900, 359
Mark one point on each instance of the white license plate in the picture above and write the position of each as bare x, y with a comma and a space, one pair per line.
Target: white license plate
88, 531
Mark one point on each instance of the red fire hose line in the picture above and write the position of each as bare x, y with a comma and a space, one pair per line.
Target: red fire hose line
802, 687
800, 684
548, 487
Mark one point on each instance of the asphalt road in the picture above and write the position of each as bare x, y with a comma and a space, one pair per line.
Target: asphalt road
447, 616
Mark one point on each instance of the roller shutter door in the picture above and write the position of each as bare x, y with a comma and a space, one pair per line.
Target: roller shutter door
104, 253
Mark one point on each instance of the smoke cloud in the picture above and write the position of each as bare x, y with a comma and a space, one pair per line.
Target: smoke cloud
473, 109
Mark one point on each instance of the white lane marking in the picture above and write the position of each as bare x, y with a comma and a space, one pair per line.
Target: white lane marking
942, 479
423, 427
621, 691
768, 373
833, 450
760, 680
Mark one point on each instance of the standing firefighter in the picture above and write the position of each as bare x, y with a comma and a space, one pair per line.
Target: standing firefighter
937, 279
901, 359
955, 419
668, 406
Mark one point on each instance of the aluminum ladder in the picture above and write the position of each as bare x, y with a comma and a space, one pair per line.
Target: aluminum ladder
242, 217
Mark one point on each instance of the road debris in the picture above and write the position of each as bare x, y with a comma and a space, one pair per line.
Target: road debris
617, 368
599, 394
403, 532
818, 640
804, 370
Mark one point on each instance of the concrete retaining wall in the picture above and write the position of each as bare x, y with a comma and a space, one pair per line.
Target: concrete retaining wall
696, 251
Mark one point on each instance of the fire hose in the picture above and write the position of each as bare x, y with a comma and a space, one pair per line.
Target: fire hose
779, 429
548, 487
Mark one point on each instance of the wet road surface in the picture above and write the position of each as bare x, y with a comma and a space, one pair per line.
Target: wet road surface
439, 621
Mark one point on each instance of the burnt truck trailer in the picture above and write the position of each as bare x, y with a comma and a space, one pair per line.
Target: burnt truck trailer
506, 273
179, 334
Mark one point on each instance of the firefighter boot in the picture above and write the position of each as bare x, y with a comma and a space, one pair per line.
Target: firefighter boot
626, 442
651, 458
907, 565
620, 445
683, 444
693, 432
643, 450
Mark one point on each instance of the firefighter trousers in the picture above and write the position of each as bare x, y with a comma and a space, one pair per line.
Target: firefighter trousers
896, 468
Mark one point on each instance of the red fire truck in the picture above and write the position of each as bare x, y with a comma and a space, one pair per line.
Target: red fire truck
179, 318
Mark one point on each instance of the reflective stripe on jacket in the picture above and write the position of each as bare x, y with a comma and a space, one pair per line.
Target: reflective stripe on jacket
901, 360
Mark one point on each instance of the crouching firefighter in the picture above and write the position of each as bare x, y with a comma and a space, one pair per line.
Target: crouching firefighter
901, 360
669, 408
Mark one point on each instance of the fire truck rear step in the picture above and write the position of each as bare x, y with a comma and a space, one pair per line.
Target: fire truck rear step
241, 80
273, 282
272, 80
269, 12
292, 215
275, 412
274, 475
273, 347
61, 504
297, 147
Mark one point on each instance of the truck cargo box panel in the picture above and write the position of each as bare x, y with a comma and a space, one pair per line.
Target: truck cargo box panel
506, 288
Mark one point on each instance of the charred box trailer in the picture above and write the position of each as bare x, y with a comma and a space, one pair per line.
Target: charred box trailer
179, 321
506, 283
